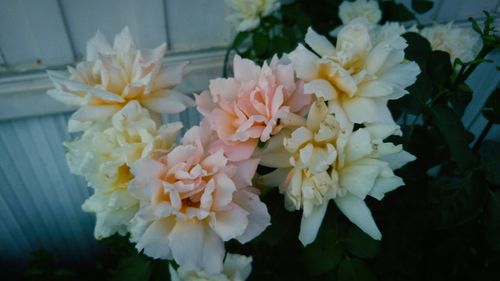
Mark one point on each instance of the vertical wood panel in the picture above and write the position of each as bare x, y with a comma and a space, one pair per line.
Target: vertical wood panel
40, 200
32, 30
144, 18
462, 9
197, 24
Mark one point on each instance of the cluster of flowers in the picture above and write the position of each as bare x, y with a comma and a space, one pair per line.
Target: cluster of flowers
461, 43
318, 115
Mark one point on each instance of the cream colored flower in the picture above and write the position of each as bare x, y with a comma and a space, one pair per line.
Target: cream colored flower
192, 201
359, 75
236, 268
462, 43
104, 155
249, 12
367, 10
112, 76
324, 161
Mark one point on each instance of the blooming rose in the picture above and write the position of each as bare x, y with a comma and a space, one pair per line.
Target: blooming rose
252, 106
248, 12
368, 10
192, 201
104, 155
236, 268
323, 161
112, 76
462, 43
364, 11
359, 75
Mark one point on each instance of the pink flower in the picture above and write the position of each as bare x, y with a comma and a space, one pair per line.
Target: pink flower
252, 106
191, 201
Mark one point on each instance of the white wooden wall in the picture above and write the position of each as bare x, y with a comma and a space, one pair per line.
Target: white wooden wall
39, 199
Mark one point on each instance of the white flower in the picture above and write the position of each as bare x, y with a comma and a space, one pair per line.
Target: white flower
192, 200
462, 43
367, 10
104, 155
249, 12
236, 268
112, 76
359, 75
323, 161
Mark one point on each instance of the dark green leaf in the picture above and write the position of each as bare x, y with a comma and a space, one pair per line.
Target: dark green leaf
457, 199
490, 161
475, 26
240, 37
453, 132
418, 50
324, 253
461, 99
491, 109
421, 6
133, 268
492, 222
395, 12
440, 68
360, 244
352, 269
260, 42
419, 93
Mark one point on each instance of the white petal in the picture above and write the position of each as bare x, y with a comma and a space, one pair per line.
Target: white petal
358, 213
304, 63
213, 252
186, 241
318, 43
94, 112
245, 69
358, 179
310, 225
274, 154
231, 223
167, 101
258, 216
169, 76
273, 179
155, 240
98, 45
398, 160
321, 89
359, 145
384, 185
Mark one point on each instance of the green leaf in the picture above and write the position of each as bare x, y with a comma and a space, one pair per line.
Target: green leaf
491, 109
454, 133
457, 199
133, 268
461, 99
240, 37
490, 161
419, 93
360, 244
395, 12
439, 68
421, 6
260, 42
475, 26
352, 269
418, 50
324, 253
492, 222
